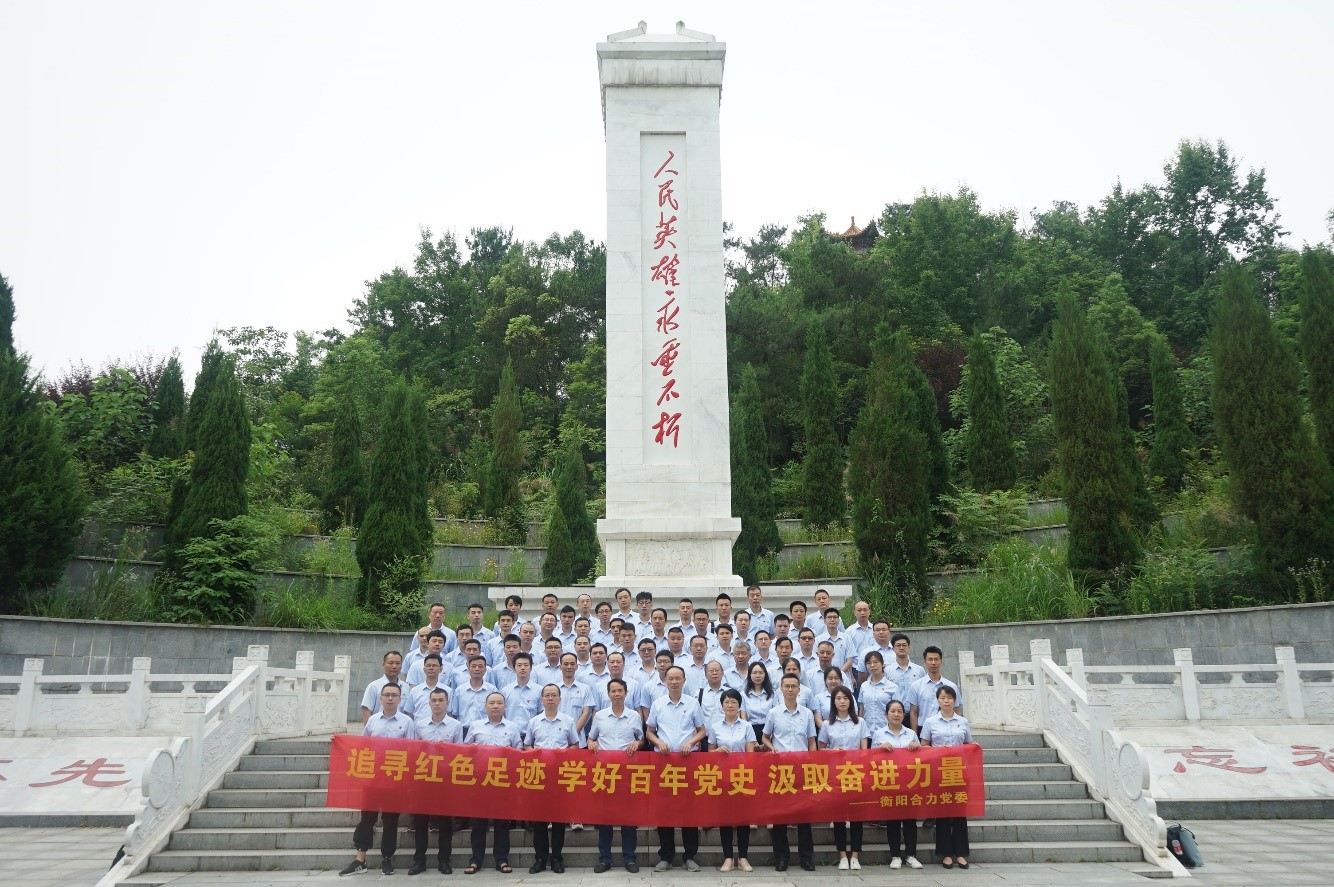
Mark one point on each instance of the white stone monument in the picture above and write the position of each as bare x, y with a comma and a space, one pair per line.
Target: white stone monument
669, 525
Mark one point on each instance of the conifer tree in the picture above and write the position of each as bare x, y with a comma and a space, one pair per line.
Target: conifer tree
558, 568
752, 483
1099, 488
41, 500
1173, 443
1143, 510
209, 366
922, 414
889, 472
396, 527
1279, 477
1317, 341
572, 502
216, 489
987, 446
167, 439
344, 501
501, 500
822, 463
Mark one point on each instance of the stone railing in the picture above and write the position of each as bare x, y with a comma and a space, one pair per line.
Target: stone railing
209, 730
1040, 695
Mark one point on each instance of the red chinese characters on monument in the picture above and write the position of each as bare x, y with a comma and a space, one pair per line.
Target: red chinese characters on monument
88, 771
1218, 758
1315, 756
665, 271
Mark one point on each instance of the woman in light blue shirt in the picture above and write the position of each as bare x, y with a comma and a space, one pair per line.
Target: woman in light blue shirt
945, 728
876, 691
897, 734
820, 702
759, 697
730, 733
844, 731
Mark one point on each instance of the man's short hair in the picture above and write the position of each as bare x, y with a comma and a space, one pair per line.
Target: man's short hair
644, 596
435, 633
523, 657
386, 656
567, 609
933, 649
441, 691
898, 636
432, 656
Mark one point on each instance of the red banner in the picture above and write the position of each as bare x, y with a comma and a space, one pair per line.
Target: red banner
650, 788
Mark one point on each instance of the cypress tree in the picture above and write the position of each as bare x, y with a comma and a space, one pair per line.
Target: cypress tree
889, 472
501, 501
41, 499
1086, 408
1279, 477
344, 500
572, 503
396, 525
209, 366
822, 462
1173, 443
988, 449
216, 489
752, 483
1143, 510
167, 439
1317, 341
558, 568
922, 414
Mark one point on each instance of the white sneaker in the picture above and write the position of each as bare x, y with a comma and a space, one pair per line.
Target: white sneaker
744, 865
896, 863
913, 863
576, 826
843, 864
726, 866
855, 864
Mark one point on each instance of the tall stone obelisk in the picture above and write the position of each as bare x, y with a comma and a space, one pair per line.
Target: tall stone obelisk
669, 523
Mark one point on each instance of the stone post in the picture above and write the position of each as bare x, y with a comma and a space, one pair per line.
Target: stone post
1039, 650
1184, 658
669, 527
1074, 658
28, 696
136, 695
1000, 678
305, 684
1290, 682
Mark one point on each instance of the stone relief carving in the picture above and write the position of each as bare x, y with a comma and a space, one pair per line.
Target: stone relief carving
677, 557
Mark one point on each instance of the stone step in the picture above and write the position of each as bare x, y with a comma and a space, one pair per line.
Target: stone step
332, 839
313, 779
268, 817
315, 746
586, 857
276, 797
1025, 790
990, 740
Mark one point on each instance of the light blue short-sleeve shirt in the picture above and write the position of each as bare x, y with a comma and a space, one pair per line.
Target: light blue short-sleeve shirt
790, 730
675, 722
617, 732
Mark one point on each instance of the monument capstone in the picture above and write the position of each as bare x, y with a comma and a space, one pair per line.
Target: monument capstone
669, 526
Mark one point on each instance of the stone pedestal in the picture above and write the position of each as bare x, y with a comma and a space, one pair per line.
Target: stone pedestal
669, 521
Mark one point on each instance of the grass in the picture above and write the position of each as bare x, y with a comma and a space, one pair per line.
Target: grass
1016, 582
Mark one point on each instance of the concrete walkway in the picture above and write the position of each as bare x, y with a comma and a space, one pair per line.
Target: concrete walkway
1237, 853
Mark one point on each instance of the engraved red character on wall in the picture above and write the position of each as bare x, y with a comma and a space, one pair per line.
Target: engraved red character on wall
666, 269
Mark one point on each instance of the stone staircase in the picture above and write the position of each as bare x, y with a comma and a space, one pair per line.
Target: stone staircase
270, 815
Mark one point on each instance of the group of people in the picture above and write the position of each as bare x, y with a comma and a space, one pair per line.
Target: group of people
620, 678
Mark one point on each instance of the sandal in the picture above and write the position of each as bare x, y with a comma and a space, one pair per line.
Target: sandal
504, 868
471, 869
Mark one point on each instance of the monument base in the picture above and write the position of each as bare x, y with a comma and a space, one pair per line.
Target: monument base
661, 555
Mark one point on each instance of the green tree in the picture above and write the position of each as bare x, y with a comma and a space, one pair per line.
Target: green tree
110, 425
1317, 341
752, 483
209, 366
1279, 477
1173, 444
41, 501
558, 568
216, 489
987, 446
889, 475
344, 500
822, 462
572, 503
167, 439
1099, 488
501, 500
396, 528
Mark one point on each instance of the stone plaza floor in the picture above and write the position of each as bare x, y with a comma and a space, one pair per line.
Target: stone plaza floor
1236, 853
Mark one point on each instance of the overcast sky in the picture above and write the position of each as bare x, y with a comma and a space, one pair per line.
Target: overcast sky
171, 168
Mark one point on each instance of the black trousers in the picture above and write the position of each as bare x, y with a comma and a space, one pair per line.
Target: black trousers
742, 840
902, 831
841, 837
421, 824
544, 848
805, 843
502, 839
951, 837
667, 843
363, 837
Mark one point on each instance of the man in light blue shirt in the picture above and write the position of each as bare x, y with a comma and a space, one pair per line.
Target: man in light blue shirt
523, 698
470, 699
550, 729
789, 728
760, 617
392, 666
676, 724
901, 668
616, 728
435, 726
924, 703
389, 723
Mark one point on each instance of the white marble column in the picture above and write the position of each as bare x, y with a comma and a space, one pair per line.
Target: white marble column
669, 521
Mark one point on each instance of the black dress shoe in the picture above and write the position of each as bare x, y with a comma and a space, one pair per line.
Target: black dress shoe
418, 866
781, 865
446, 868
602, 866
558, 865
807, 865
539, 866
631, 866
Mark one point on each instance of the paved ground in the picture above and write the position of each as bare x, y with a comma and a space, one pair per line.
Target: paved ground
1237, 853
